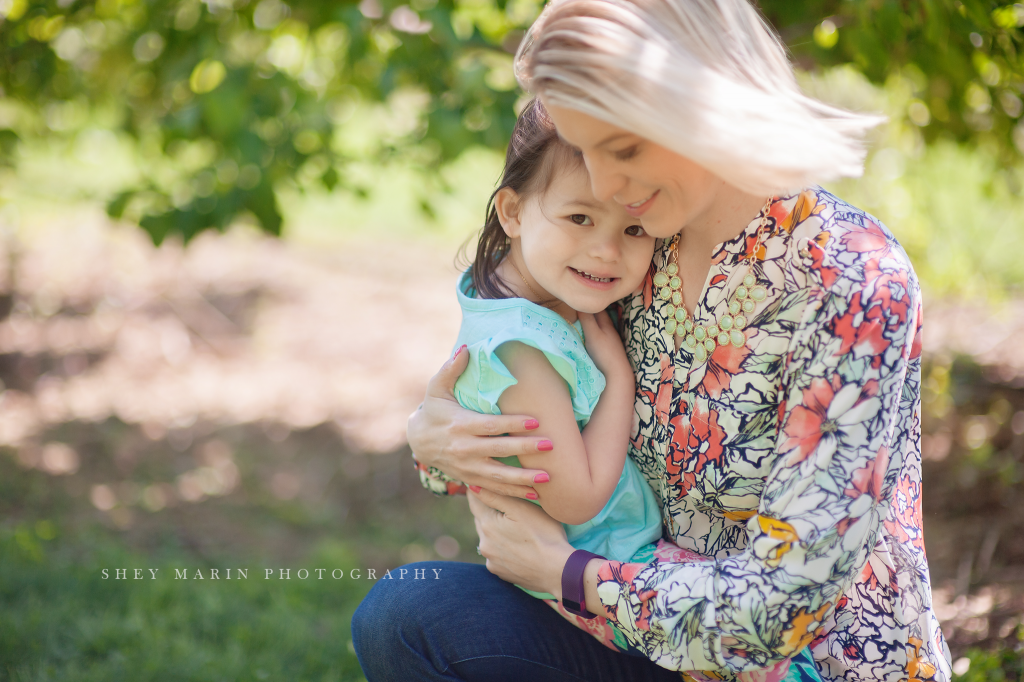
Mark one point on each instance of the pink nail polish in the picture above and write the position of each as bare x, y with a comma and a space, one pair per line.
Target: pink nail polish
475, 488
531, 424
532, 496
461, 348
545, 445
541, 478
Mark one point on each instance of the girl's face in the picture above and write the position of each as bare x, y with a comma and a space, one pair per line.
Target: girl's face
578, 250
661, 189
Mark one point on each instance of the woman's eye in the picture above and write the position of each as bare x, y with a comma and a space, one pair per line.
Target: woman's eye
635, 231
626, 154
581, 219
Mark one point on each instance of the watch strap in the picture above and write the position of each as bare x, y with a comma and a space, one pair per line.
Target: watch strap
573, 594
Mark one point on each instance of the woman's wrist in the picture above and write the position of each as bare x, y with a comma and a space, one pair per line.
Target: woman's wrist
555, 565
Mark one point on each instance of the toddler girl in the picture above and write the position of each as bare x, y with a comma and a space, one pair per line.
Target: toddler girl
549, 260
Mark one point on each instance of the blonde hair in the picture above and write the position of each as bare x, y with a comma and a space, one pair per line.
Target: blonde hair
708, 79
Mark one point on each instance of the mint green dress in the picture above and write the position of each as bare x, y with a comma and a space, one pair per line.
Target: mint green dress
630, 522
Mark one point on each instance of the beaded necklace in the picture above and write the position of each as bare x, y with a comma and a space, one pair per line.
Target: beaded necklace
701, 340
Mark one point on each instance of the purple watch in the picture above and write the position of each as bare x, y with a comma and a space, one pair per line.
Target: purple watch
573, 595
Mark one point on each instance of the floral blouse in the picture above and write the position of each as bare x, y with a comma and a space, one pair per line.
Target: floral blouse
790, 465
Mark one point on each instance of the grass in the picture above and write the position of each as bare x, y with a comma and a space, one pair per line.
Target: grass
63, 620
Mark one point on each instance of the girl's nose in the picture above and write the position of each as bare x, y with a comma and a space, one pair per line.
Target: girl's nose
608, 250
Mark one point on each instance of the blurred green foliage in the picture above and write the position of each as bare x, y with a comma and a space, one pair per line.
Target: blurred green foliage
229, 100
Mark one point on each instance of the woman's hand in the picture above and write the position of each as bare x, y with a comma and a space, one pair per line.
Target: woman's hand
461, 442
604, 344
521, 543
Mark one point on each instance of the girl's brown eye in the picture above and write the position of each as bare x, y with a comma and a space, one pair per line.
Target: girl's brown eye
635, 231
580, 219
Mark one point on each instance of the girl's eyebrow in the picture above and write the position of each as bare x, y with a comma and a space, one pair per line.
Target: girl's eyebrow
583, 202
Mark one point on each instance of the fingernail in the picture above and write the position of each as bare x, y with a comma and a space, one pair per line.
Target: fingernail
531, 424
545, 445
532, 496
475, 488
541, 478
461, 348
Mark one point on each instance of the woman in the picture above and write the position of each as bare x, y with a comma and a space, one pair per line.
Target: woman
778, 391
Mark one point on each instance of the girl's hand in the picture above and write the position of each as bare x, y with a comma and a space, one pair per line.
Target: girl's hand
522, 544
459, 442
604, 344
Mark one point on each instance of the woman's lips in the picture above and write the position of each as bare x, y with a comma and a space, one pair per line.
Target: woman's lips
637, 210
582, 276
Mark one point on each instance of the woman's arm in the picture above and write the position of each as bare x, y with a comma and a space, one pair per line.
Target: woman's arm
584, 468
461, 443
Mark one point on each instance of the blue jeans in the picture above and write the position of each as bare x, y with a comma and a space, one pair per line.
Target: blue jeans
468, 624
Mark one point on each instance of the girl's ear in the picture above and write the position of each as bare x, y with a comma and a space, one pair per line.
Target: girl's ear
508, 207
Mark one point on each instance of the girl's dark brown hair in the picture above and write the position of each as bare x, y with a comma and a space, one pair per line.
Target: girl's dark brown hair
534, 152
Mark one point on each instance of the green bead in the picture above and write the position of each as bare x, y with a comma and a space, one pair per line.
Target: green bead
665, 293
712, 330
700, 354
725, 323
680, 314
759, 294
672, 269
723, 339
690, 341
734, 307
739, 322
749, 280
680, 331
710, 345
741, 293
688, 324
660, 279
670, 310
670, 326
737, 338
675, 282
700, 334
748, 306
677, 298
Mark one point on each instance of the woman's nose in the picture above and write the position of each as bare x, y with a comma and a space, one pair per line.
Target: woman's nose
605, 183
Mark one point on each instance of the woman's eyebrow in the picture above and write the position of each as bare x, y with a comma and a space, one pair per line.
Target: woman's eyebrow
613, 137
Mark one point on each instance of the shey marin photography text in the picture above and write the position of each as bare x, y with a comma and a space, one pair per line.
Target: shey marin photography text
270, 574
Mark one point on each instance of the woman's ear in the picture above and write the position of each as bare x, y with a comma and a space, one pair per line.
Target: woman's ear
508, 207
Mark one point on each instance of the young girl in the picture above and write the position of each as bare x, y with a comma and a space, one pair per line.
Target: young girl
549, 261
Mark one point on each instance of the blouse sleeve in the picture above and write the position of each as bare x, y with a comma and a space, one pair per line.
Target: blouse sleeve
824, 501
436, 481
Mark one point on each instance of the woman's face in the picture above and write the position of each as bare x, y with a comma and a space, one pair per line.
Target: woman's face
662, 189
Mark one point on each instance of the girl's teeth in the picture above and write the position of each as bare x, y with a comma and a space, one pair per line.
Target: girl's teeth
639, 203
596, 279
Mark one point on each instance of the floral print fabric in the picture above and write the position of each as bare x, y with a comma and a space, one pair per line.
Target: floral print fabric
789, 470
793, 462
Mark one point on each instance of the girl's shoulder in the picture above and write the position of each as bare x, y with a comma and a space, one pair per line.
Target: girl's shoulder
488, 324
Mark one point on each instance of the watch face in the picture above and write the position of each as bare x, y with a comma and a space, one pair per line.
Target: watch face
571, 606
